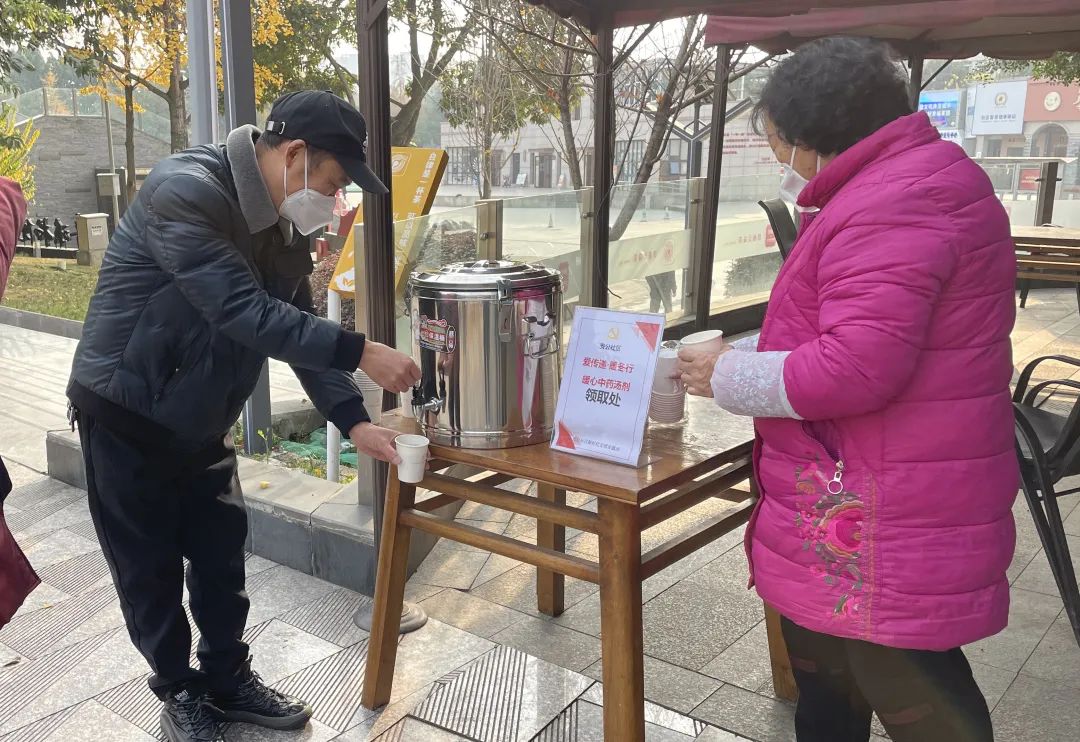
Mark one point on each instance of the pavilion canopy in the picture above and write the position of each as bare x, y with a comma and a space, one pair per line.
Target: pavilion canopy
946, 29
619, 13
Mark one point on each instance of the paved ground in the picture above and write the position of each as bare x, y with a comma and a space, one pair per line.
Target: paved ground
34, 369
487, 667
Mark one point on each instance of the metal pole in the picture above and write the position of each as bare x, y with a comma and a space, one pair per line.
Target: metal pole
238, 71
1044, 204
595, 265
202, 71
915, 61
333, 435
237, 63
707, 242
112, 161
372, 31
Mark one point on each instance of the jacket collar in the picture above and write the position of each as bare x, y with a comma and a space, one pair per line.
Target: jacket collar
895, 137
255, 203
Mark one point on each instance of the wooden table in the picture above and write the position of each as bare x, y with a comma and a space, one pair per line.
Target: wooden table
705, 459
1046, 254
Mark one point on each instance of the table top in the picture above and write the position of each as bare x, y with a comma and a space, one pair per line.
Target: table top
710, 439
1057, 236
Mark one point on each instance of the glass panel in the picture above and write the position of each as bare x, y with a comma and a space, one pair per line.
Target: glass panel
89, 105
1016, 184
429, 242
747, 259
30, 104
649, 252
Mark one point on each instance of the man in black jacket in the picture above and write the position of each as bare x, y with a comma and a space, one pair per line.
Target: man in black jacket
205, 278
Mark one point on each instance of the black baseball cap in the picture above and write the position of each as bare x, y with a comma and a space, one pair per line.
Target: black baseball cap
331, 124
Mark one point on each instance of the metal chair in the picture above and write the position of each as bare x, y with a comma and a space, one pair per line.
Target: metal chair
1048, 447
783, 226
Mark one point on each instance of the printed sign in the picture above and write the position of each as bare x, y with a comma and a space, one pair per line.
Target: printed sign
417, 174
1052, 102
999, 108
607, 383
437, 335
942, 106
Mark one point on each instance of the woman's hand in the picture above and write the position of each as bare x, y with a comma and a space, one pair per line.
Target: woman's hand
696, 369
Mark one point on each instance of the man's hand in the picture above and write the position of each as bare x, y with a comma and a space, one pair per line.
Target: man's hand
376, 442
393, 371
696, 370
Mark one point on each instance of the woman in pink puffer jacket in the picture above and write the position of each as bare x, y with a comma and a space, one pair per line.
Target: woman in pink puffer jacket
880, 388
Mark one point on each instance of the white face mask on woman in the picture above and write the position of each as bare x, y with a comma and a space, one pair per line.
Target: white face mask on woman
792, 184
307, 209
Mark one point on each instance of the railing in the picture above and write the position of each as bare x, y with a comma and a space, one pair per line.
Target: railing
34, 104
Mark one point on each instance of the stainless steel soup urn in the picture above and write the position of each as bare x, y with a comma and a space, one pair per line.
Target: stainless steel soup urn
486, 335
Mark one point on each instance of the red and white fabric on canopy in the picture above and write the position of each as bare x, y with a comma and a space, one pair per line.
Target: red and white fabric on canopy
938, 28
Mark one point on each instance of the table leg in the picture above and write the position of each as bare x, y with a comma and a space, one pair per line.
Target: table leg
550, 595
389, 593
782, 678
620, 622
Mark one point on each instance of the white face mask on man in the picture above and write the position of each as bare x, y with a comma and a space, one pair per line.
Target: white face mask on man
307, 209
792, 184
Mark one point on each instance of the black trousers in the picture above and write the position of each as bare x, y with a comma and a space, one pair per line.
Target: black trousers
154, 506
920, 696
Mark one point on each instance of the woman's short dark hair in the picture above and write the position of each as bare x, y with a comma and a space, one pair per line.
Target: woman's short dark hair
833, 92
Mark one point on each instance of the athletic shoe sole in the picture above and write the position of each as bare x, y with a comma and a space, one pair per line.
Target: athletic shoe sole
278, 723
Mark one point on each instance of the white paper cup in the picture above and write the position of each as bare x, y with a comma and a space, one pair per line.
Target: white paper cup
406, 404
666, 376
413, 450
710, 341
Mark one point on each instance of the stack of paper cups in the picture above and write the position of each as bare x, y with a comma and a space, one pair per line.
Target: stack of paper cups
668, 402
373, 396
406, 404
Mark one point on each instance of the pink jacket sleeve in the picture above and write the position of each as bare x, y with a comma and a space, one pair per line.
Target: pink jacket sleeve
12, 214
879, 279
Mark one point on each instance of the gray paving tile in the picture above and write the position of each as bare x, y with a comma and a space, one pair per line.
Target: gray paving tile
416, 591
1037, 710
548, 641
993, 681
690, 623
413, 729
714, 734
367, 725
282, 650
749, 714
446, 566
1057, 657
330, 617
280, 589
1030, 615
502, 696
314, 732
469, 613
1037, 575
92, 722
655, 715
1028, 545
253, 564
495, 566
583, 617
59, 545
9, 658
584, 722
746, 662
517, 589
23, 476
669, 685
113, 662
43, 596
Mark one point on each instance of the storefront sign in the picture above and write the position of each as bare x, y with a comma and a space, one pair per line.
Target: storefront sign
417, 173
1052, 102
1029, 178
607, 382
999, 108
942, 106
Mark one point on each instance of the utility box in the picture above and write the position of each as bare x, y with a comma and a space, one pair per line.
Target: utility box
108, 184
93, 233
